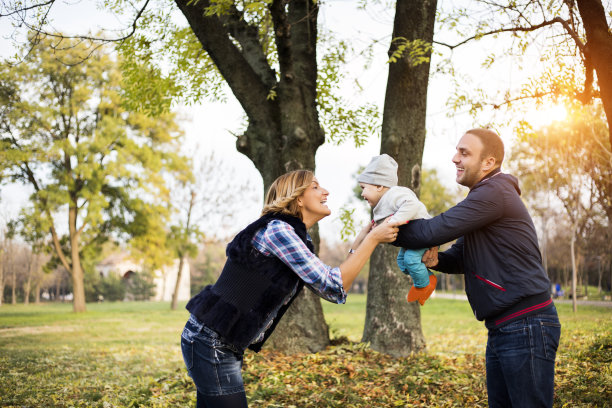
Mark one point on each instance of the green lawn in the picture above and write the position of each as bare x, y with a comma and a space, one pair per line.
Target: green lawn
128, 355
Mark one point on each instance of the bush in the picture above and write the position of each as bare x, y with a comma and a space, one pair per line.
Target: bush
112, 288
140, 286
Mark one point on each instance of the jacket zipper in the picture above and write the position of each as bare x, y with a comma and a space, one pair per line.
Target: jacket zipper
495, 285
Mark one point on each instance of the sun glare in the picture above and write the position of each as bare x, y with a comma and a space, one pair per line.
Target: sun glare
545, 115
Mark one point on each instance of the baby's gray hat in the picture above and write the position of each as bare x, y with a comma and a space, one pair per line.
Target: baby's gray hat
382, 171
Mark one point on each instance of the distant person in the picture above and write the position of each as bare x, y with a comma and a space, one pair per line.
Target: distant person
497, 252
268, 264
379, 188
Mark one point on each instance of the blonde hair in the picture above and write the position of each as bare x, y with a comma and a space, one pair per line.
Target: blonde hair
283, 193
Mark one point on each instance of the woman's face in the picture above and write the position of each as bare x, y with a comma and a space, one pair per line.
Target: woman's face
313, 204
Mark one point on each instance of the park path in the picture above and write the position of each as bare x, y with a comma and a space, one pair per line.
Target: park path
600, 303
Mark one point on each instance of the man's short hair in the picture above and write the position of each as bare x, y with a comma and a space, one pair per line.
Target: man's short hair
492, 144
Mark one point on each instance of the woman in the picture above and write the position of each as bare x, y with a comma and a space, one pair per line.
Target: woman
268, 264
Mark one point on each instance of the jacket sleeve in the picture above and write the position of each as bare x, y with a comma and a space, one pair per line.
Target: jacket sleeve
451, 260
481, 207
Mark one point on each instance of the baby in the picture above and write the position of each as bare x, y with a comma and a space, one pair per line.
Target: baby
379, 188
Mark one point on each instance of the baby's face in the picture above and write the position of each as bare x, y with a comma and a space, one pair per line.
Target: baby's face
371, 193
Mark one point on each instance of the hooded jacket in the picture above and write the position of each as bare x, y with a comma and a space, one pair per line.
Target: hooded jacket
496, 250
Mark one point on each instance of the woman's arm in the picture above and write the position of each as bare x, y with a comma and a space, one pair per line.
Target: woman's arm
280, 240
365, 242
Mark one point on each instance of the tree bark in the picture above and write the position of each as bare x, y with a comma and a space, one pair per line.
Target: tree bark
574, 272
179, 274
599, 51
283, 132
392, 325
78, 287
2, 252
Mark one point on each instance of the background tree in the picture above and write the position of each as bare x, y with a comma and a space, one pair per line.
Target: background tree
269, 55
393, 326
204, 206
580, 184
88, 161
571, 39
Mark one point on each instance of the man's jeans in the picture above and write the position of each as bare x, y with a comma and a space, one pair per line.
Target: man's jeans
521, 361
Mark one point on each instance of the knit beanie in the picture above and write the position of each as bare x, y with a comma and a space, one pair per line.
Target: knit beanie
382, 171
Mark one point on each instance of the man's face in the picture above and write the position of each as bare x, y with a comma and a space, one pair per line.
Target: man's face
468, 161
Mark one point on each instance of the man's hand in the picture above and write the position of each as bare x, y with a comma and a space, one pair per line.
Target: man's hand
430, 257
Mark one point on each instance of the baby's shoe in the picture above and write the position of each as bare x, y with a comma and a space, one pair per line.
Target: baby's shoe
422, 294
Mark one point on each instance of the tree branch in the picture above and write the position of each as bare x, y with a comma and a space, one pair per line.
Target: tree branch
282, 31
23, 9
559, 20
245, 83
39, 29
252, 49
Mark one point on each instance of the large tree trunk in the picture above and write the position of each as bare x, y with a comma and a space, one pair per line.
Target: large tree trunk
599, 51
392, 325
283, 132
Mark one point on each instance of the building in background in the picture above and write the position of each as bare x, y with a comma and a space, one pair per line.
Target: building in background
122, 265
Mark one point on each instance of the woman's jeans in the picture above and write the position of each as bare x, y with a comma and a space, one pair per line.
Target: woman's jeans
214, 367
521, 361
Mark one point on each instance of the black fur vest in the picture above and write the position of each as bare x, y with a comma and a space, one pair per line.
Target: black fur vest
250, 287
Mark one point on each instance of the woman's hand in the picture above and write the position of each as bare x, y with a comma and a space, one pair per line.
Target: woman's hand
386, 231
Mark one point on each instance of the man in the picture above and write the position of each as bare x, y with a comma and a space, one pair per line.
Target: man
506, 285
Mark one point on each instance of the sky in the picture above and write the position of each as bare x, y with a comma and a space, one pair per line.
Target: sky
211, 125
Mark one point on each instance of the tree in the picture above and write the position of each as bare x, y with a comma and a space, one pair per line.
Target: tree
88, 160
393, 326
267, 52
581, 184
204, 207
575, 42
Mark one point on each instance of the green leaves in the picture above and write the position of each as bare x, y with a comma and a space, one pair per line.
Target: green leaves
416, 52
87, 157
340, 120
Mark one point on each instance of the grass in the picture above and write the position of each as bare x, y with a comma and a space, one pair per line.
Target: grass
128, 355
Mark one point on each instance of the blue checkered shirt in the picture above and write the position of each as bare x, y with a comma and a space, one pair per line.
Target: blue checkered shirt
279, 239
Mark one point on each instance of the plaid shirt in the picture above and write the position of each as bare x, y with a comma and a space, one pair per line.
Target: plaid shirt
279, 239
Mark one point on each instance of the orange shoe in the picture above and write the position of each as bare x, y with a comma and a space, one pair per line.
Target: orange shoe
422, 294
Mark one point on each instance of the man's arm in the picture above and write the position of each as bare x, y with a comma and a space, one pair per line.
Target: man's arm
480, 208
451, 260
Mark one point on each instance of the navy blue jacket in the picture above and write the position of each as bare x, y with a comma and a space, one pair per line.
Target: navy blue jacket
496, 250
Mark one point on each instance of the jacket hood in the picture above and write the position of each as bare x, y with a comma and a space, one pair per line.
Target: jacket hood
500, 177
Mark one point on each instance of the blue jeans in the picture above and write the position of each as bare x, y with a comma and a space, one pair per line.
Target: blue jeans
521, 361
213, 366
409, 262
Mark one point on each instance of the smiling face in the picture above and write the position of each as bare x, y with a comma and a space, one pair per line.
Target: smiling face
372, 193
313, 204
471, 166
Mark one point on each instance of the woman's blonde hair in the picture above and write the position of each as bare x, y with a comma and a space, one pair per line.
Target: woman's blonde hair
283, 193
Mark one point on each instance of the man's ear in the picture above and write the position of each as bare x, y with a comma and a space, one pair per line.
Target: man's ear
488, 164
379, 188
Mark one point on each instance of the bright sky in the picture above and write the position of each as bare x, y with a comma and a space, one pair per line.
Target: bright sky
212, 124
